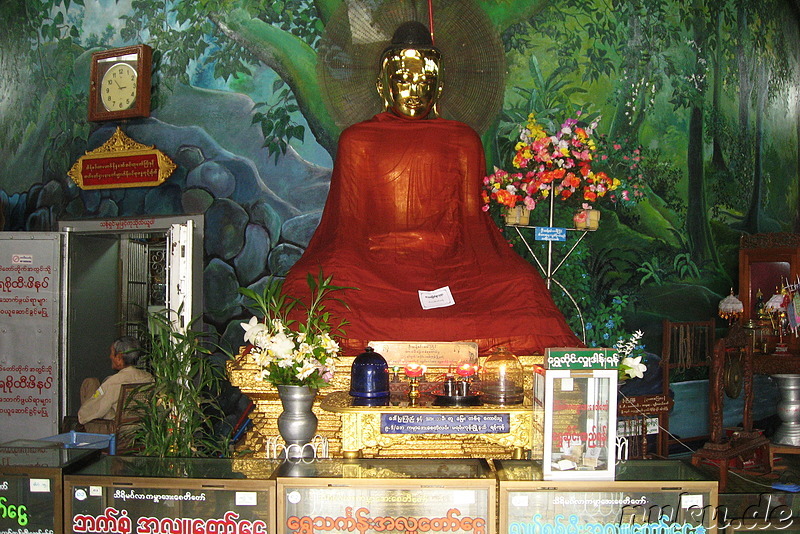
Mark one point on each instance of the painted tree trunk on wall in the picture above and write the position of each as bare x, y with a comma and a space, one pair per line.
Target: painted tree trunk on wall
697, 225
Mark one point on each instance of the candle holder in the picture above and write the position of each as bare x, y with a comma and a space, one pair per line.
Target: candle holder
449, 387
502, 379
414, 371
413, 390
465, 373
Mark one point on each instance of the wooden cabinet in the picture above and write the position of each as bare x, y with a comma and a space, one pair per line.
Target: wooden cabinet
766, 262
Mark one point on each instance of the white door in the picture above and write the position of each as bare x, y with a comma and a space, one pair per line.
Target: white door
180, 279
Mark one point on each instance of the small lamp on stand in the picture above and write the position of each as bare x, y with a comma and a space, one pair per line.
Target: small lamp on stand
731, 308
776, 306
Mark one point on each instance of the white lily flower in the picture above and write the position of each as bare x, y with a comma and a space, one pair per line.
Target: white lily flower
635, 366
328, 343
306, 370
252, 330
280, 345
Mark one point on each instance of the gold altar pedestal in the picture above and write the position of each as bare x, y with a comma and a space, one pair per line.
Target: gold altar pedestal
363, 429
526, 435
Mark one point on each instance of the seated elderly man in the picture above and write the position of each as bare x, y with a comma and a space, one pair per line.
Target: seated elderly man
99, 401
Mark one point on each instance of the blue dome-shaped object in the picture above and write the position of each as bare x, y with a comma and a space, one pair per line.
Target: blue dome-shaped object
369, 375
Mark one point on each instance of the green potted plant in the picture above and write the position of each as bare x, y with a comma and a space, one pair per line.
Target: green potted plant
175, 412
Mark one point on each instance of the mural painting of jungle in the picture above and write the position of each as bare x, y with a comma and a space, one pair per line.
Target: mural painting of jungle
696, 105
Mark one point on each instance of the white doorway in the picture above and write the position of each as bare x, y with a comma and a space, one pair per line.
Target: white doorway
115, 270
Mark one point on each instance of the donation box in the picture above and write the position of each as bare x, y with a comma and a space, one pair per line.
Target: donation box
580, 423
147, 495
388, 495
647, 496
31, 481
578, 390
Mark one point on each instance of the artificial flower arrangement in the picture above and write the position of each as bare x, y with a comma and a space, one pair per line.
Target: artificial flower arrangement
630, 353
564, 164
288, 351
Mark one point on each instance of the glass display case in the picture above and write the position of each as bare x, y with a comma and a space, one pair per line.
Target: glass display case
657, 495
124, 494
580, 425
388, 495
31, 482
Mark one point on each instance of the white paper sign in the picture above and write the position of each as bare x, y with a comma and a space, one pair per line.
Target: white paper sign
246, 498
40, 485
691, 501
438, 298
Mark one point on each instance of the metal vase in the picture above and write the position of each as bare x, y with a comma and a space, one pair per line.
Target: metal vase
297, 423
788, 410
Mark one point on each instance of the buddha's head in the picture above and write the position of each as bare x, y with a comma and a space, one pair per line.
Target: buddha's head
409, 81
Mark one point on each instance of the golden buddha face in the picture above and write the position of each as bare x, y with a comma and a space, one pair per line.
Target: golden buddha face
409, 81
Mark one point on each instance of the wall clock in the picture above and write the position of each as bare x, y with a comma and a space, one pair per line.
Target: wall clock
119, 86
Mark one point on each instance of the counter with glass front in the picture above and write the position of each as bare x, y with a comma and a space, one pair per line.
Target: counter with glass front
31, 482
125, 494
660, 495
387, 495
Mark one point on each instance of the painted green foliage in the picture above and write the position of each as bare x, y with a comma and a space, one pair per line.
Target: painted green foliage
702, 88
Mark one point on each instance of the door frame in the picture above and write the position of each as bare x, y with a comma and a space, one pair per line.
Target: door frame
120, 227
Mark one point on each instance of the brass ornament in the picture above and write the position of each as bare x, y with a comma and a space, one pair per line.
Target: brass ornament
732, 376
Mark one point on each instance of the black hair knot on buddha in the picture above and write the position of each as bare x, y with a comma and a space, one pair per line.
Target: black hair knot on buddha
412, 34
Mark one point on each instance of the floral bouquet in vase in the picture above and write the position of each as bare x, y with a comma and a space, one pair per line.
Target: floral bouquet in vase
289, 351
297, 356
550, 165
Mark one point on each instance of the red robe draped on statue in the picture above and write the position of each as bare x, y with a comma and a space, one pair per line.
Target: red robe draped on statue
404, 214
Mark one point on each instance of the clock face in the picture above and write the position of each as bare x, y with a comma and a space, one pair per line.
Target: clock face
119, 83
118, 87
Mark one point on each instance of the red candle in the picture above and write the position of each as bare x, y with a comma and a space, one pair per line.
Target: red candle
466, 370
414, 370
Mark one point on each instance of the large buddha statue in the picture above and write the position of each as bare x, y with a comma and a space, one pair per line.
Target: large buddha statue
403, 224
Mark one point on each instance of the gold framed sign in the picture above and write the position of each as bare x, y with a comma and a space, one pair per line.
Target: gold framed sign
121, 162
442, 354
